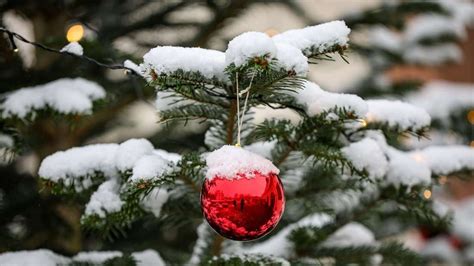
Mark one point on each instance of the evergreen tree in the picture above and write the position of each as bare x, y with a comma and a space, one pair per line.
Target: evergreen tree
344, 179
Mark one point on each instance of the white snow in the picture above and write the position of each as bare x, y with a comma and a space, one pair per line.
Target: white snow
130, 64
170, 156
73, 48
405, 170
318, 101
316, 38
384, 38
168, 59
203, 233
292, 59
262, 148
154, 201
432, 26
37, 257
444, 160
148, 167
350, 235
135, 155
77, 162
96, 257
249, 45
442, 98
67, 96
130, 151
105, 200
279, 244
461, 10
6, 141
433, 55
46, 257
367, 155
234, 162
397, 114
148, 257
462, 220
440, 248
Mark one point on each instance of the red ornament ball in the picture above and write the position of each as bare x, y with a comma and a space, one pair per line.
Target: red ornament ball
243, 208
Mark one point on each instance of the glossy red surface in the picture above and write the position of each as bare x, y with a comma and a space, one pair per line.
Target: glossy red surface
243, 209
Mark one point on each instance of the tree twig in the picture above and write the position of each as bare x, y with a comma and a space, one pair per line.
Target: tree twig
12, 35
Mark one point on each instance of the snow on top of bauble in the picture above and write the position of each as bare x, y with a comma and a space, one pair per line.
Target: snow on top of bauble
318, 101
249, 45
130, 151
96, 257
105, 200
279, 244
442, 98
404, 170
168, 59
317, 38
233, 162
291, 58
73, 48
367, 155
37, 257
441, 248
433, 26
397, 114
67, 96
148, 167
79, 162
443, 160
350, 235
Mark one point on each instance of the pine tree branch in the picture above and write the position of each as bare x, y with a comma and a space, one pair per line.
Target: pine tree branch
231, 122
13, 35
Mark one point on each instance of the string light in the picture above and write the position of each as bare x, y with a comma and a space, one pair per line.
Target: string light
12, 43
427, 194
470, 117
75, 33
271, 32
362, 122
442, 180
418, 157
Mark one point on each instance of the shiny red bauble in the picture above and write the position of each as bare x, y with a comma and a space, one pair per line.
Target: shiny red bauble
243, 208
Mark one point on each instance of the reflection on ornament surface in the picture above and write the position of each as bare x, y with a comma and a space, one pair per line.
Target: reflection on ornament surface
243, 208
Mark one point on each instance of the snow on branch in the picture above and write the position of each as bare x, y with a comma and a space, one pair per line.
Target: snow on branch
367, 155
46, 257
432, 26
66, 96
404, 170
397, 114
165, 60
443, 98
350, 235
105, 200
444, 160
279, 244
73, 48
318, 101
249, 45
316, 39
77, 166
433, 54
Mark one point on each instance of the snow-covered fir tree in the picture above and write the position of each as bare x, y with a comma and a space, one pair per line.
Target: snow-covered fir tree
350, 185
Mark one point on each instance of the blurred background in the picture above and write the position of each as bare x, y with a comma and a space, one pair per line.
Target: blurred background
418, 51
